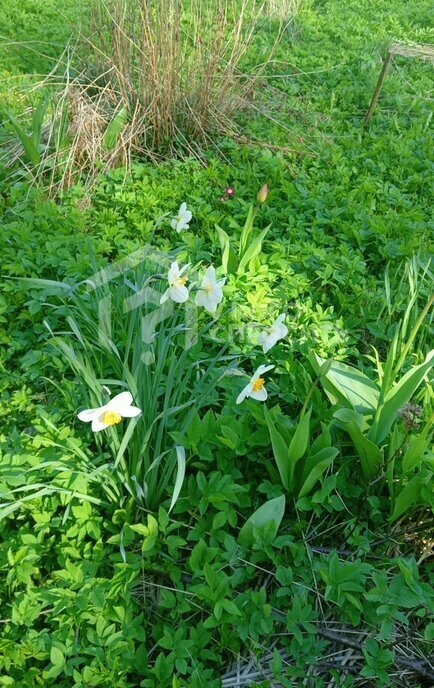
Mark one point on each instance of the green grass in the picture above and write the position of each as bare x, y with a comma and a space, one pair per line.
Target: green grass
109, 595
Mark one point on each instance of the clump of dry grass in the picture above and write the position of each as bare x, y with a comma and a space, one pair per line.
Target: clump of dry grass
177, 64
283, 10
159, 78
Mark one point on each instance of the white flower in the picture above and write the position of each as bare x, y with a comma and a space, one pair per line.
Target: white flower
255, 388
210, 292
117, 408
176, 291
269, 337
181, 221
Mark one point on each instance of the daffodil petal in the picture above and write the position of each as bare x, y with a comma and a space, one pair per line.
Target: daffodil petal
280, 331
209, 276
173, 272
122, 400
246, 392
200, 298
98, 425
129, 411
260, 395
89, 414
261, 370
179, 294
165, 296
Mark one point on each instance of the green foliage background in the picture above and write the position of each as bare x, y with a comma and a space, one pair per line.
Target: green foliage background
186, 599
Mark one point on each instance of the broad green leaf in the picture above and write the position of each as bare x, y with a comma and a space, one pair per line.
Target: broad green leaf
399, 395
322, 441
229, 259
348, 385
62, 125
269, 514
30, 149
231, 607
114, 129
180, 473
38, 119
139, 528
387, 377
283, 425
315, 467
43, 283
417, 447
253, 250
409, 496
57, 657
246, 231
280, 450
370, 455
299, 442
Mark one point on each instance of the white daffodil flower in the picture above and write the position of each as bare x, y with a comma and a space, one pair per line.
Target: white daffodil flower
117, 408
181, 221
210, 291
177, 290
255, 388
269, 337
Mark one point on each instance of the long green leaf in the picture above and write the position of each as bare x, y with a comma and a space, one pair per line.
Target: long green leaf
114, 129
370, 455
280, 451
38, 119
246, 231
348, 385
229, 259
417, 447
399, 395
410, 495
315, 467
300, 439
180, 455
253, 250
30, 149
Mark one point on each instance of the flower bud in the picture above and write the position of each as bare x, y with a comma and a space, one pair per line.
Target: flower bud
262, 193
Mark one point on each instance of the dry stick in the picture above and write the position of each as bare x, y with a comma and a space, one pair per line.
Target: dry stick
383, 73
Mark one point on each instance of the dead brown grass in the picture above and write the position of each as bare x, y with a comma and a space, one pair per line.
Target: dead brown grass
176, 67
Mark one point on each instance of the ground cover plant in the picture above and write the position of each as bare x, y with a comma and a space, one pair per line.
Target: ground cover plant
216, 382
